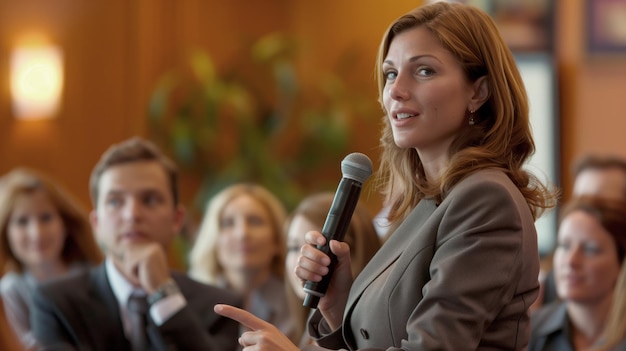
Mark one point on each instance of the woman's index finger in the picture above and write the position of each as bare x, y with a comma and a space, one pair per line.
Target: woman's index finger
242, 316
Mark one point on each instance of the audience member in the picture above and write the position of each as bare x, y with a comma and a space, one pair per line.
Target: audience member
311, 214
600, 175
594, 174
133, 299
590, 249
240, 246
44, 234
459, 271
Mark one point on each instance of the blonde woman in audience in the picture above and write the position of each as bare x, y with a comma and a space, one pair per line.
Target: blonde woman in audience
310, 215
45, 234
240, 246
591, 247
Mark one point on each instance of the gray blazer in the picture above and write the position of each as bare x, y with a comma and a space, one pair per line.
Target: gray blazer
80, 312
455, 276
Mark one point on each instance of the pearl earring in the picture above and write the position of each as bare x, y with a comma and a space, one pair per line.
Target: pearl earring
471, 118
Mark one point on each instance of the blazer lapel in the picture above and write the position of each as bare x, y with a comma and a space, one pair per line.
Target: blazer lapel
391, 250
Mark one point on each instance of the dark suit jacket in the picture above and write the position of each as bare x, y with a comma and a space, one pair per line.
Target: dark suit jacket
550, 329
455, 276
80, 312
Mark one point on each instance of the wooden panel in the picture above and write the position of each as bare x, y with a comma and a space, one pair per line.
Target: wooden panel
115, 51
95, 103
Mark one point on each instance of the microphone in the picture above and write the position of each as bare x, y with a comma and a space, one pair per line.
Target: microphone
355, 168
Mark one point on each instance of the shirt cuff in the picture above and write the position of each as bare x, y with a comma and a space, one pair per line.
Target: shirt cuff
163, 309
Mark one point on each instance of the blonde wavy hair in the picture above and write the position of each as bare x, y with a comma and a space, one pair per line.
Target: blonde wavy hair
501, 136
203, 263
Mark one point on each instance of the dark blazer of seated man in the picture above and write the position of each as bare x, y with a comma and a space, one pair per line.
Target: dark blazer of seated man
136, 216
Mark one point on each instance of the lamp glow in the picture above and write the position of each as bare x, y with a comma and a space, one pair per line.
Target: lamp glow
36, 81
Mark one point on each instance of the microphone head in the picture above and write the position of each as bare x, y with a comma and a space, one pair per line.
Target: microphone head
357, 166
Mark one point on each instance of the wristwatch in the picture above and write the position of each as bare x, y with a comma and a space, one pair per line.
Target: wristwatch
166, 289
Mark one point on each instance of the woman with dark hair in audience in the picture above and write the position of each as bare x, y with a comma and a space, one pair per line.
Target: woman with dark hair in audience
591, 246
44, 234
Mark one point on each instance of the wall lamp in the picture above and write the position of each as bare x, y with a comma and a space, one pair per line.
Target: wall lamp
36, 80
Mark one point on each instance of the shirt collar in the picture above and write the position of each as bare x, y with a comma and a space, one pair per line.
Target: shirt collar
122, 288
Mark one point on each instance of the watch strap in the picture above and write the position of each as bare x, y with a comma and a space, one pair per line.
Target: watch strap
166, 289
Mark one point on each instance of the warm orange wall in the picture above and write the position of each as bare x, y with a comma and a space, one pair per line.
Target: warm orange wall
332, 29
95, 104
116, 50
114, 53
593, 94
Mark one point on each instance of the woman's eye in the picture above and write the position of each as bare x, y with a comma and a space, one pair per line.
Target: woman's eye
256, 221
390, 75
424, 71
46, 217
591, 249
21, 221
227, 223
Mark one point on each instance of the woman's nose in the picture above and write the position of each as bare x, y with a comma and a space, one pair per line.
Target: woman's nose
574, 256
399, 89
240, 229
35, 228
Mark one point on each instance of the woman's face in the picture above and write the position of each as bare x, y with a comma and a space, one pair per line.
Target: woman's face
426, 94
299, 226
247, 239
585, 260
36, 231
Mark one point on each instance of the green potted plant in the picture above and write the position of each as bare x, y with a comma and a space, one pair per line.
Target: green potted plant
255, 122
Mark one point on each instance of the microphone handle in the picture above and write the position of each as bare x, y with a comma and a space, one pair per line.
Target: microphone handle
335, 228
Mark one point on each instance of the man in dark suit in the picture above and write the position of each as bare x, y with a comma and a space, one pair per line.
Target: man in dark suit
136, 216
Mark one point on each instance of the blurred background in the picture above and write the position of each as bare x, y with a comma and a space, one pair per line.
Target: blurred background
274, 91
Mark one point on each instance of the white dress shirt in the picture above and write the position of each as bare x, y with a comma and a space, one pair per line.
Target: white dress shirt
160, 311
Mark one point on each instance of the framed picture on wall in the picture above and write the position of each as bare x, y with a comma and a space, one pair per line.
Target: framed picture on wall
526, 25
606, 26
